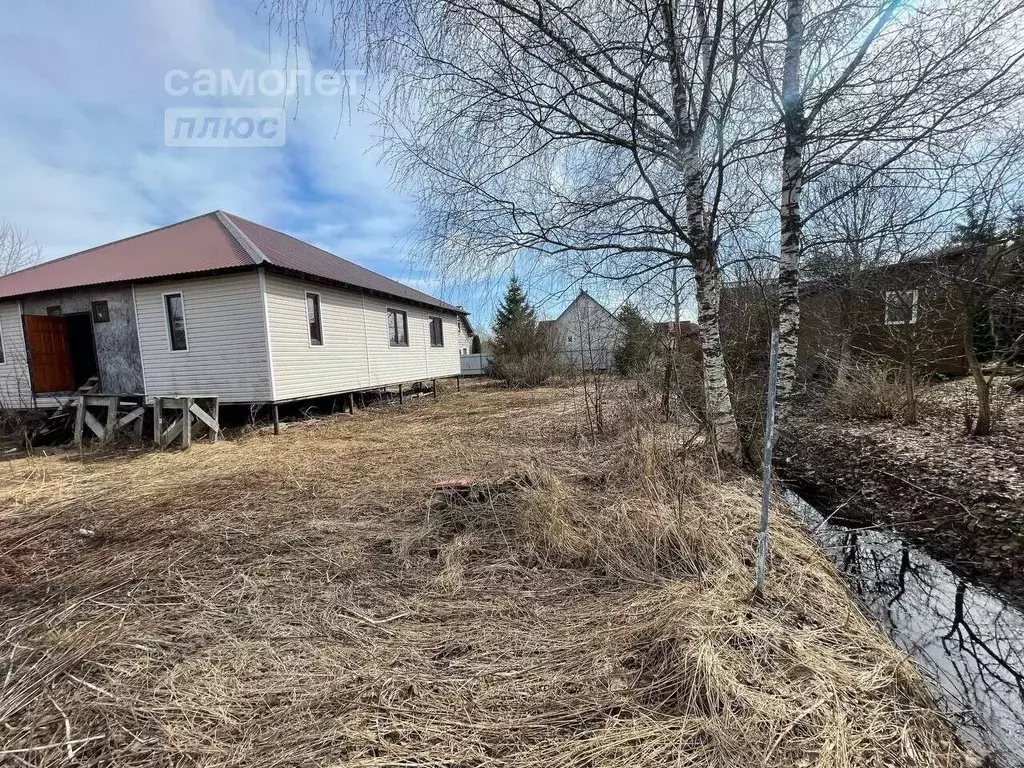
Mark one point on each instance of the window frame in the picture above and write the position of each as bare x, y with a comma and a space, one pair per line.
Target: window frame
106, 311
167, 320
440, 330
912, 306
319, 318
405, 326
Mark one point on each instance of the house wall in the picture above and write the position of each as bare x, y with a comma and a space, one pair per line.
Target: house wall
118, 359
934, 341
226, 332
586, 334
15, 384
355, 353
465, 338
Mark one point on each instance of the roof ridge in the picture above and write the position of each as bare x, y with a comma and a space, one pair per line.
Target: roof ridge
241, 238
104, 245
434, 300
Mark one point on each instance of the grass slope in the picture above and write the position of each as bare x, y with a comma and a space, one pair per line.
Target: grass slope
312, 599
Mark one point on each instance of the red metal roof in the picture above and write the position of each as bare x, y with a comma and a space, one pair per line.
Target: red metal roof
291, 253
195, 245
207, 243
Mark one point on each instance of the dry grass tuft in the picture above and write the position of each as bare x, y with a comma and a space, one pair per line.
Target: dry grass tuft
312, 599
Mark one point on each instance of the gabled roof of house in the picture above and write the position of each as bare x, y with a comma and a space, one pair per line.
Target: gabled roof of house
581, 295
209, 243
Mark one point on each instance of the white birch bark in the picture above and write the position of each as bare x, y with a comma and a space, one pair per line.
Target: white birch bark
790, 223
718, 403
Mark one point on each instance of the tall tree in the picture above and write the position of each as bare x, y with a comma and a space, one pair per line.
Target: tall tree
17, 249
596, 137
520, 352
904, 82
638, 346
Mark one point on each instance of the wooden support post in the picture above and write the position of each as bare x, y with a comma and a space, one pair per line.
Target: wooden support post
362, 400
79, 420
351, 404
158, 421
186, 421
214, 434
434, 385
458, 383
111, 426
277, 420
401, 396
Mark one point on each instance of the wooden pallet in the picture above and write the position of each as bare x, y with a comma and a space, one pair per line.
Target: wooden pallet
60, 421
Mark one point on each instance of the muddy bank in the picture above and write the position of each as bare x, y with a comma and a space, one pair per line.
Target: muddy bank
960, 499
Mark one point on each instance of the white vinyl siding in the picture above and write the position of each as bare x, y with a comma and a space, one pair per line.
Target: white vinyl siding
227, 345
15, 384
356, 353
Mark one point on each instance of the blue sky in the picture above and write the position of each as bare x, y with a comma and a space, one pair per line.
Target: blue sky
82, 137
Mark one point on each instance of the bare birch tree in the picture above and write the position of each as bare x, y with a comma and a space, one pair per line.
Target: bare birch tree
906, 82
17, 249
597, 137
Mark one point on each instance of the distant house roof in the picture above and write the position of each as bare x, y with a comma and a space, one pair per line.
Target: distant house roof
580, 296
208, 243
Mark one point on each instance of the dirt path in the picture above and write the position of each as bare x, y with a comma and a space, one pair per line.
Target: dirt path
961, 498
311, 599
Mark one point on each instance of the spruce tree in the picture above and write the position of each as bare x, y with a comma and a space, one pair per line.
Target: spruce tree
638, 344
521, 354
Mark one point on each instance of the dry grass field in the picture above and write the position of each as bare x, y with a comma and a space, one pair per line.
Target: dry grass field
314, 599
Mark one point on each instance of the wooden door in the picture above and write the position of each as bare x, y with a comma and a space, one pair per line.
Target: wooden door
49, 354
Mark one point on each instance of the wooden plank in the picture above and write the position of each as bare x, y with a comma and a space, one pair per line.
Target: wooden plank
158, 422
136, 413
93, 423
277, 421
172, 432
79, 419
186, 422
204, 417
100, 401
111, 427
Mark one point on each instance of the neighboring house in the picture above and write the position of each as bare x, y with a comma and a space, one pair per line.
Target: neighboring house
895, 311
585, 335
217, 306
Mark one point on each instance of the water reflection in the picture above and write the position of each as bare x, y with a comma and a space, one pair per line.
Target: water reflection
967, 641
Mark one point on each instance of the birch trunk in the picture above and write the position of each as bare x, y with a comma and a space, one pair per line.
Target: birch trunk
718, 404
790, 224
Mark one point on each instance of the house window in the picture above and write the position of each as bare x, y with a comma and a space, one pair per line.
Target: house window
436, 332
100, 312
900, 307
174, 305
398, 328
316, 328
54, 311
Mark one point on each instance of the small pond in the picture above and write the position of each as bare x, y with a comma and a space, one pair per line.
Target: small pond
967, 641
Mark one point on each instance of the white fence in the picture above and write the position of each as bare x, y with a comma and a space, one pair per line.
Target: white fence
475, 365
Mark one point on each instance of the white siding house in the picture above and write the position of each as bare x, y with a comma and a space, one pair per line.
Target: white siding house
263, 317
586, 334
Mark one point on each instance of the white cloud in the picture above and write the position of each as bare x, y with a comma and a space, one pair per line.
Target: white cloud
81, 135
